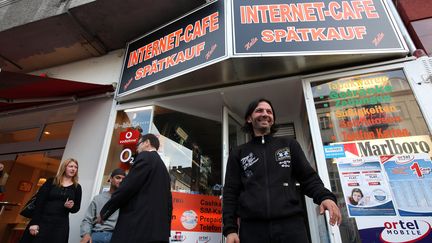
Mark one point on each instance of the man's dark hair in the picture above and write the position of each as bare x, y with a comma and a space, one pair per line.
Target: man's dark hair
247, 127
154, 141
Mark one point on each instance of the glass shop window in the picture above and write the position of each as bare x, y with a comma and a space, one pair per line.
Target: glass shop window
190, 147
368, 124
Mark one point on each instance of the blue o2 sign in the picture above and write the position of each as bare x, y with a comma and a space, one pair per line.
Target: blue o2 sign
191, 42
307, 27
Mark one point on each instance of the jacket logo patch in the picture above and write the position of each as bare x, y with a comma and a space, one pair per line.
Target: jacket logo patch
283, 157
248, 161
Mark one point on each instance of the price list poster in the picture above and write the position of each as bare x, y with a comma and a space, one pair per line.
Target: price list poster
365, 189
410, 180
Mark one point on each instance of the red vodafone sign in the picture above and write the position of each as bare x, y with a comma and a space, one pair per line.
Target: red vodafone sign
129, 136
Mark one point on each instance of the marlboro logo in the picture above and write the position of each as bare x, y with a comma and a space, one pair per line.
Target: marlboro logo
392, 146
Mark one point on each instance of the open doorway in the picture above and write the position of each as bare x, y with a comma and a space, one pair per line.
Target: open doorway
287, 98
26, 173
31, 148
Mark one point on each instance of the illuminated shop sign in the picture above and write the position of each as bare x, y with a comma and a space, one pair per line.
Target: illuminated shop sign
291, 27
191, 42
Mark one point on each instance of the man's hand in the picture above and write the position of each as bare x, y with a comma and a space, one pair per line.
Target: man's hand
86, 239
335, 214
232, 238
34, 229
99, 220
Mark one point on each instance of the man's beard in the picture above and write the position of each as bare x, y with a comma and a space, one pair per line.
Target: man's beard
264, 130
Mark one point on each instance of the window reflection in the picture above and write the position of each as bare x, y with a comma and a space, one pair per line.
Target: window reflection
423, 29
196, 139
58, 130
190, 146
22, 135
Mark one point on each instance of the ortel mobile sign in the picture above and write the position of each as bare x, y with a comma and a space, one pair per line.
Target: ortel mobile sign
299, 27
191, 42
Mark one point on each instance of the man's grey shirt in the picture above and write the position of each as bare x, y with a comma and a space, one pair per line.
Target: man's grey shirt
88, 225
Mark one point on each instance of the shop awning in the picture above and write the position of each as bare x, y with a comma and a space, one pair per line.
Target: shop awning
18, 90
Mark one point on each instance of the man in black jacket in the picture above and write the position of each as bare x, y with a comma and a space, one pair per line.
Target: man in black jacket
144, 198
259, 192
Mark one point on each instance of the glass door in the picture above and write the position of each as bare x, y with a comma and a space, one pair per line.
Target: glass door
232, 135
21, 175
372, 143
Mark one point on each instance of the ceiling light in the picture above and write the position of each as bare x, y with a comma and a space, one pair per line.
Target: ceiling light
138, 109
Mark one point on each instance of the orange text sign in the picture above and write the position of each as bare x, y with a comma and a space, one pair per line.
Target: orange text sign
194, 212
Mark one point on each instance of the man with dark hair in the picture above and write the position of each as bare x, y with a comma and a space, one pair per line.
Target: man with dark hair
91, 231
144, 198
259, 191
153, 142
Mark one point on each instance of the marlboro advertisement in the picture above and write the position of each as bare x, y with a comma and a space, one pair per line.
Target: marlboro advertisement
193, 41
196, 218
388, 146
290, 27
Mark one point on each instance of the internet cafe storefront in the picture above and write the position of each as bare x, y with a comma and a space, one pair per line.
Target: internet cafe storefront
190, 81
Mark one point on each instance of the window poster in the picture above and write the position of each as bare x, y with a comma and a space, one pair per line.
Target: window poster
371, 183
365, 189
411, 183
377, 147
129, 126
196, 218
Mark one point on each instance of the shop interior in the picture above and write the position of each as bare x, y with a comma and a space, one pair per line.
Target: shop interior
31, 151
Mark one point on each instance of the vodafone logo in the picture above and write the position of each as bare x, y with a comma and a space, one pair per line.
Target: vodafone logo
128, 134
129, 137
405, 231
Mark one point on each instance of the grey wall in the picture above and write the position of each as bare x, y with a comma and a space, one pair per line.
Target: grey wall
14, 13
20, 12
85, 144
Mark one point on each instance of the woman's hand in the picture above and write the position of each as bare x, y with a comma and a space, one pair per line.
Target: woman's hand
69, 203
34, 229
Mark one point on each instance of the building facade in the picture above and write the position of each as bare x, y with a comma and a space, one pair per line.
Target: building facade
341, 75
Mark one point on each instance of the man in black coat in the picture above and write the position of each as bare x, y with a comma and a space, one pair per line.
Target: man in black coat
260, 185
144, 198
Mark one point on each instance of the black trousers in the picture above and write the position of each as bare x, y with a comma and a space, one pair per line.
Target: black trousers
287, 230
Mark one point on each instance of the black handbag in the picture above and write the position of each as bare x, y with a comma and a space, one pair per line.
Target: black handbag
29, 208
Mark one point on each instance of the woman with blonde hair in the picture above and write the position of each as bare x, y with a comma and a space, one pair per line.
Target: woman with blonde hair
57, 197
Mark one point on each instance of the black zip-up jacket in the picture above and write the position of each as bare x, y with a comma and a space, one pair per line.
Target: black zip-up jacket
260, 181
